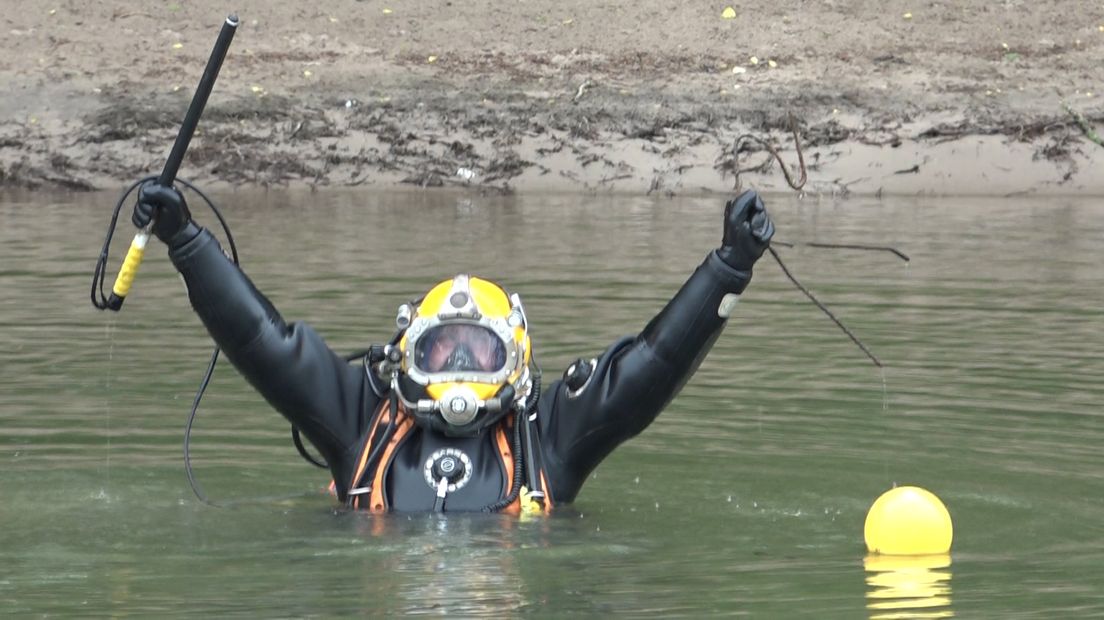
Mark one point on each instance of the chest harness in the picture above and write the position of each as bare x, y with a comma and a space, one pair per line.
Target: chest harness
516, 446
516, 441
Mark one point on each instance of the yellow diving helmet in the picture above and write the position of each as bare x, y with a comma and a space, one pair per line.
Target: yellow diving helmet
464, 356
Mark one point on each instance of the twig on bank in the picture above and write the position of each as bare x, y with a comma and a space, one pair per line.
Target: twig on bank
618, 177
582, 89
773, 154
1084, 125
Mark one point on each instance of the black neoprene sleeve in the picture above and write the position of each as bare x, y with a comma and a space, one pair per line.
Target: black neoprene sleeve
635, 378
288, 363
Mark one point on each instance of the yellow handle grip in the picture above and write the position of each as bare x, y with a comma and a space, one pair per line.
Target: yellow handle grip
129, 269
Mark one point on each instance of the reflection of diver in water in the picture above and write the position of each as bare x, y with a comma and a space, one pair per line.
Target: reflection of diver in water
450, 414
461, 564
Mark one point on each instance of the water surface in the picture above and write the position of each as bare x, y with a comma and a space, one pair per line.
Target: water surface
747, 496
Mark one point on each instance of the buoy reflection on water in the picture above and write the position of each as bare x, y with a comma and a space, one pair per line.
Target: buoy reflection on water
908, 586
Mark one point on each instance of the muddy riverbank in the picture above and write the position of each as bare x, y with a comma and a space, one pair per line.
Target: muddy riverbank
894, 97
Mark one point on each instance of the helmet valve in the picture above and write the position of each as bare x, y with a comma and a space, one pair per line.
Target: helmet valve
387, 366
459, 406
402, 319
516, 318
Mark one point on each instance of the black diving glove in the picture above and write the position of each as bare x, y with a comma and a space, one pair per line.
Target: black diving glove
747, 233
165, 206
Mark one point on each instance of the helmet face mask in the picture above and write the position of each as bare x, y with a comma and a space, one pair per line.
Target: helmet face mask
466, 342
459, 348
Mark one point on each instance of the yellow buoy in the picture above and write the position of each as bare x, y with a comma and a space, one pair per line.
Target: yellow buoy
908, 521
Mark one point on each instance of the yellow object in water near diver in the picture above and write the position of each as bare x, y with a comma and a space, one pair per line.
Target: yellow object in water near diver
908, 521
529, 505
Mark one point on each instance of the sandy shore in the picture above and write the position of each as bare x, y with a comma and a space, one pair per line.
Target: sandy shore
968, 97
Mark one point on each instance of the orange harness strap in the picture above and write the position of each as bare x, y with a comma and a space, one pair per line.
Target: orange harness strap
377, 502
383, 420
405, 423
507, 455
384, 416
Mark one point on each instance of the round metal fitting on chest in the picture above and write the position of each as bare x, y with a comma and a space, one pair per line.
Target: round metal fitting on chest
451, 464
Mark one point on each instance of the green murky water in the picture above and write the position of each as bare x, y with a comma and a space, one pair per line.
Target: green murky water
746, 497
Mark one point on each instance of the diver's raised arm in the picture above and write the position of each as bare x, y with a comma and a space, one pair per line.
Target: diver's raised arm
636, 377
289, 364
685, 329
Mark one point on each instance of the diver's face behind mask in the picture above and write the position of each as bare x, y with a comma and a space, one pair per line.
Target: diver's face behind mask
465, 356
459, 347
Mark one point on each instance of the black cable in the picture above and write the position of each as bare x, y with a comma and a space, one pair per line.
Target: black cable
296, 436
298, 441
515, 489
377, 450
218, 214
196, 489
101, 263
98, 276
532, 470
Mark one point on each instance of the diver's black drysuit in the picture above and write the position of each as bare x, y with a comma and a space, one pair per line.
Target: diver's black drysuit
333, 402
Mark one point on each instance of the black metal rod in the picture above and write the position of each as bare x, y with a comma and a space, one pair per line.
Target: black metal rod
199, 101
134, 255
532, 475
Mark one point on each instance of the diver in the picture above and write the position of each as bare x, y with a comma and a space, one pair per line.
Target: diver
450, 414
